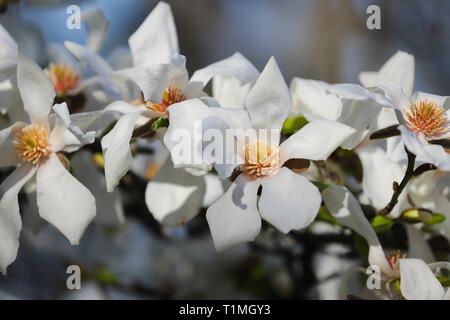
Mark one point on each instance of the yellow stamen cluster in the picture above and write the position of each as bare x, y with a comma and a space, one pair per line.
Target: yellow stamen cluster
393, 258
427, 118
31, 144
170, 96
261, 160
63, 77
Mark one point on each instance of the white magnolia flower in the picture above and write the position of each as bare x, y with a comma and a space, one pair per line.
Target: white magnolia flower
417, 280
162, 76
424, 125
349, 104
288, 200
61, 199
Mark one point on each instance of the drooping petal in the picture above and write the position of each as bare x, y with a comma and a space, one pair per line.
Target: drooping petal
425, 152
399, 68
174, 196
155, 41
418, 246
234, 218
97, 28
417, 281
36, 90
8, 51
8, 155
289, 201
346, 210
116, 150
269, 101
236, 66
10, 222
215, 188
379, 173
97, 64
62, 200
315, 141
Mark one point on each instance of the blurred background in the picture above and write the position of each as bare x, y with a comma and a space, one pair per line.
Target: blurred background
319, 39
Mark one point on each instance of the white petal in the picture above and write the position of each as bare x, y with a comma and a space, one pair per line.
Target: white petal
312, 100
269, 101
109, 205
97, 28
7, 153
418, 281
62, 200
229, 92
379, 173
215, 188
174, 196
289, 201
442, 101
315, 141
426, 153
10, 222
418, 246
399, 68
234, 218
236, 66
8, 51
116, 150
135, 74
346, 210
97, 64
36, 90
66, 132
155, 41
400, 101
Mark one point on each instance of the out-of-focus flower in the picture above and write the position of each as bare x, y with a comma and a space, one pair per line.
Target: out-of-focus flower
61, 199
236, 216
417, 280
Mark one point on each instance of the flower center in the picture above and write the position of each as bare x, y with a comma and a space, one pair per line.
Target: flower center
170, 96
261, 160
31, 143
427, 118
63, 77
393, 258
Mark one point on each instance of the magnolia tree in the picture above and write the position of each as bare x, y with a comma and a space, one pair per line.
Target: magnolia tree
363, 165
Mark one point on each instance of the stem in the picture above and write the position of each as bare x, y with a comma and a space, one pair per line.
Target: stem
399, 188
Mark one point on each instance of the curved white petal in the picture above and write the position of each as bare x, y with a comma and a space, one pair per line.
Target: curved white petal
215, 188
417, 281
236, 66
379, 173
418, 246
400, 101
155, 41
10, 222
399, 68
174, 196
97, 28
269, 101
97, 64
36, 90
66, 132
234, 218
8, 155
312, 100
425, 152
116, 149
315, 141
62, 200
8, 51
346, 210
289, 201
229, 91
442, 101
